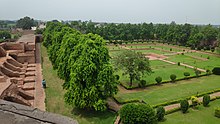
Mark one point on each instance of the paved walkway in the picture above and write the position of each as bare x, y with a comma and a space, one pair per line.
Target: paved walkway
39, 91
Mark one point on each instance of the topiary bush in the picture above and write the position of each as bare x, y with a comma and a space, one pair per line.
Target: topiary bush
186, 74
137, 114
206, 100
142, 83
217, 112
160, 113
216, 70
178, 63
194, 101
173, 77
184, 106
158, 79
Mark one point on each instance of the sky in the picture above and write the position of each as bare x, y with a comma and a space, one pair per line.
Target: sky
117, 11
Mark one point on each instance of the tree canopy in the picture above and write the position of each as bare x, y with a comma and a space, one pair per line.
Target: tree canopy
135, 64
25, 23
83, 61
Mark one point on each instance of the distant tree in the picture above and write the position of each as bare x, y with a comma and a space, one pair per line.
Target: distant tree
25, 23
137, 114
135, 64
206, 100
184, 105
158, 79
5, 35
160, 113
173, 77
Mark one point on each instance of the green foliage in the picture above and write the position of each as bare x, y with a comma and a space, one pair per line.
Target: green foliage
25, 23
137, 114
5, 35
186, 74
206, 100
184, 106
142, 83
194, 100
217, 112
135, 64
160, 113
173, 77
83, 62
158, 79
216, 70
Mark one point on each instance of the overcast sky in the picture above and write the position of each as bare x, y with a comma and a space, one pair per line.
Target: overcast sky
134, 11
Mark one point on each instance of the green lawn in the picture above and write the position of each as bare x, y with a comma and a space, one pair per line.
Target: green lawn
204, 115
55, 98
173, 91
159, 68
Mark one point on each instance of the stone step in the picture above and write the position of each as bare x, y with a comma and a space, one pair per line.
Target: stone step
29, 79
30, 73
28, 86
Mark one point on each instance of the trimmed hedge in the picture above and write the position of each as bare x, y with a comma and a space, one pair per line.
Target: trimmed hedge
184, 106
137, 114
217, 112
166, 81
216, 71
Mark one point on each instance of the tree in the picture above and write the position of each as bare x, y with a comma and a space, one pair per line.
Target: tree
160, 113
25, 23
173, 77
91, 75
135, 64
206, 100
5, 35
137, 114
158, 79
184, 105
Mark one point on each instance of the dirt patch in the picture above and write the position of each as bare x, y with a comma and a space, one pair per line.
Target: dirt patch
154, 56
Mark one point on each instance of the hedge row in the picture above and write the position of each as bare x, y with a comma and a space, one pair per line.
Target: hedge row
163, 82
166, 103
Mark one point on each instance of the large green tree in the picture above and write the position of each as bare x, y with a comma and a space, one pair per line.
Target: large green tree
25, 23
135, 64
91, 74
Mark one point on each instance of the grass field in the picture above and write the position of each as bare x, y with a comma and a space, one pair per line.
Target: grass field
204, 115
161, 69
55, 98
173, 91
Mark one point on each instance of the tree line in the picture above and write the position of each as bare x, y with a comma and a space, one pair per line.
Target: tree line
83, 61
193, 36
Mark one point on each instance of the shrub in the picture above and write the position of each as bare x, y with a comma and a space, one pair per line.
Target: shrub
208, 72
206, 100
178, 63
137, 114
217, 112
171, 49
173, 77
186, 74
197, 72
194, 101
216, 70
158, 79
160, 113
142, 83
184, 105
208, 57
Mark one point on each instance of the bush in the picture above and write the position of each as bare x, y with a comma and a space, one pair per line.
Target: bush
178, 63
137, 114
217, 112
208, 57
142, 83
186, 74
206, 100
184, 106
158, 79
5, 35
208, 72
216, 70
173, 77
160, 113
194, 101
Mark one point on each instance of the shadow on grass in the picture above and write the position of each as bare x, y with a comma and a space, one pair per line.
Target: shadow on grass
91, 113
